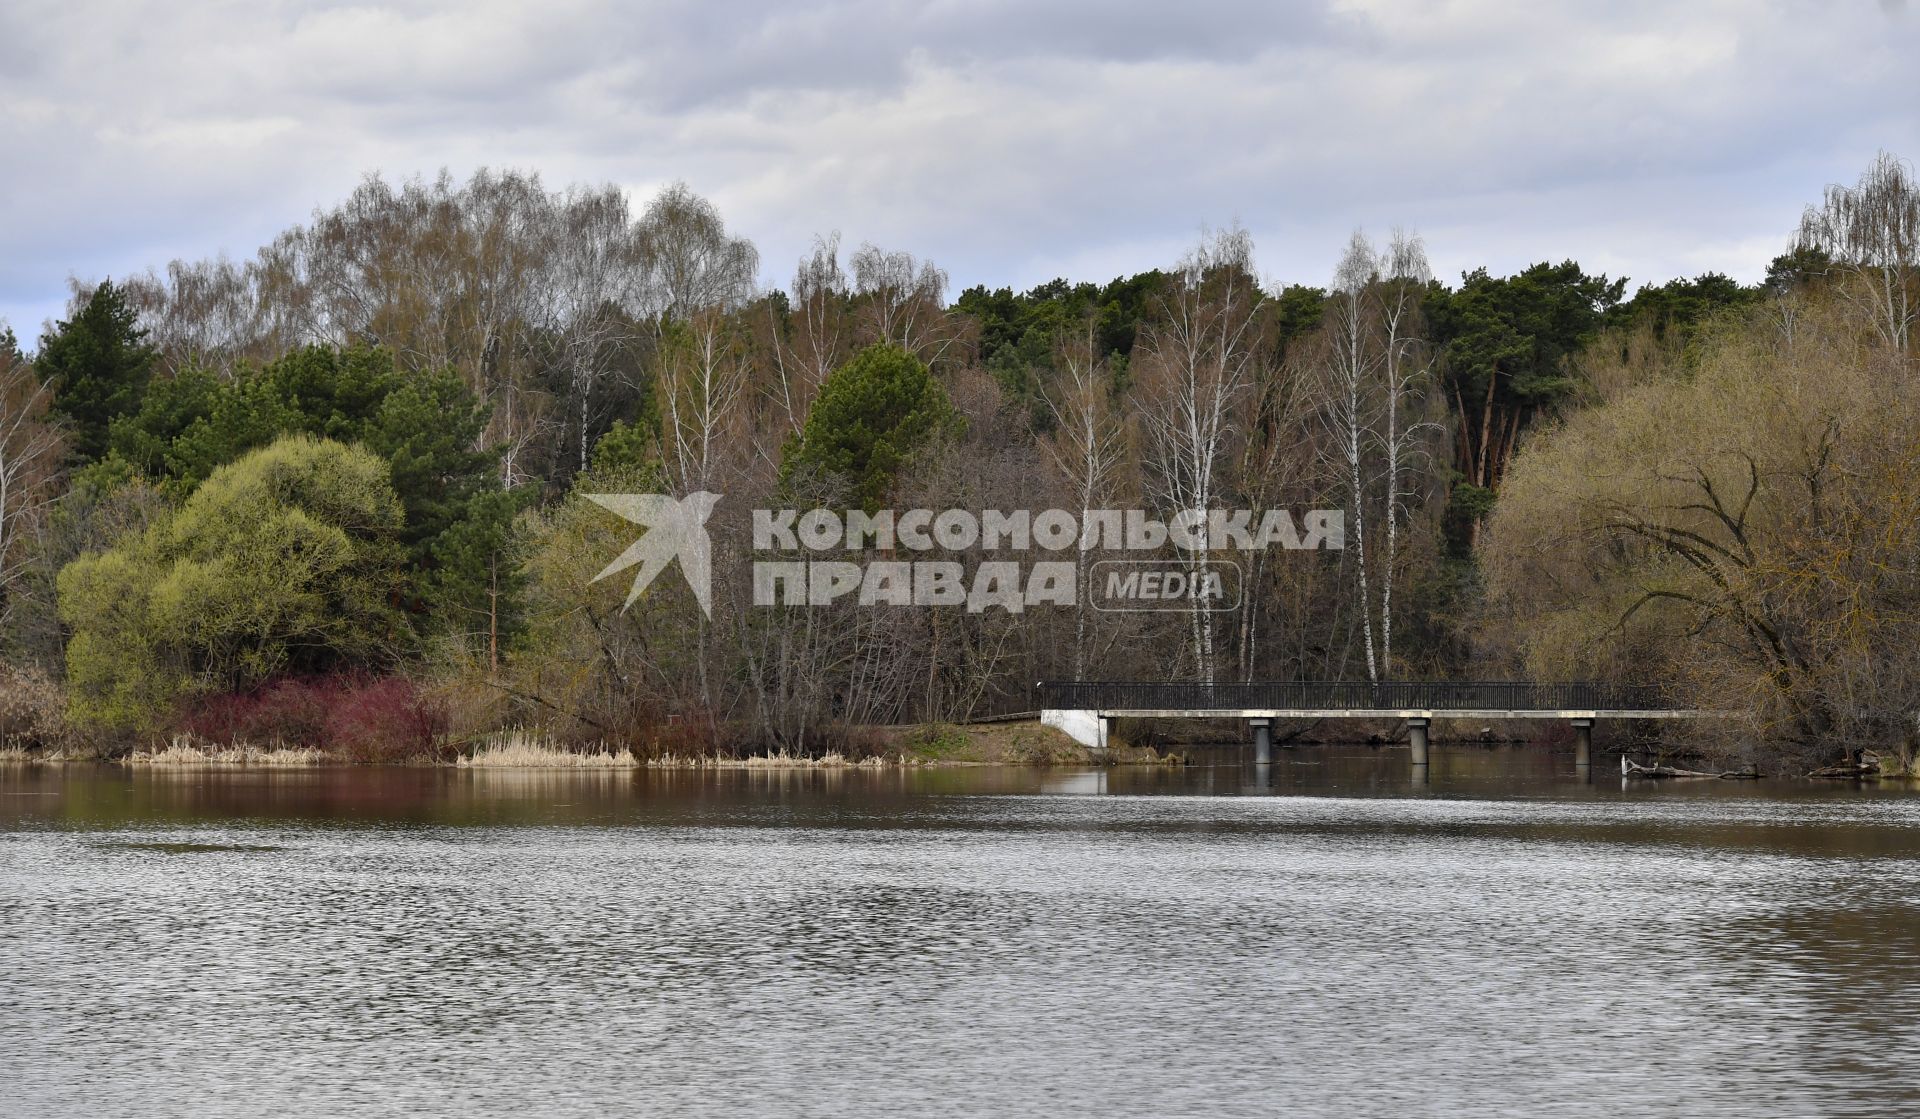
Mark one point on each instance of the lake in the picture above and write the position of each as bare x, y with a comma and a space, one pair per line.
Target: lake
1324, 937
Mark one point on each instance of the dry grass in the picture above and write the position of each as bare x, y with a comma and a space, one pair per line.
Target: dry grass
183, 753
524, 750
519, 749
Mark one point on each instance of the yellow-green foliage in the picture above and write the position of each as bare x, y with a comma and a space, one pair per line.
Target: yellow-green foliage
1742, 531
581, 642
282, 561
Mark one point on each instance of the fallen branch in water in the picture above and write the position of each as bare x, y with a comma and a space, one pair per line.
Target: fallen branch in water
1867, 766
1635, 769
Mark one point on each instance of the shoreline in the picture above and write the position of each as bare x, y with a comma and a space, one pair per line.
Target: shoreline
923, 746
926, 746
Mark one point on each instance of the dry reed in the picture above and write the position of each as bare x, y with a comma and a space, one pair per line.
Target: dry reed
528, 750
182, 752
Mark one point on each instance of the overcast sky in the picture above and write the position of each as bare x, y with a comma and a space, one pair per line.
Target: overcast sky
1009, 141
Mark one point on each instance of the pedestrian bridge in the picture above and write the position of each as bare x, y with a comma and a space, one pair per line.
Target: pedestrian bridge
1086, 709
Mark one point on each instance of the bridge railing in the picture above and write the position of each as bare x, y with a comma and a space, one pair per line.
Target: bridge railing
1346, 695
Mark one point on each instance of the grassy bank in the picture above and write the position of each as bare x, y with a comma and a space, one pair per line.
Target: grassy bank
939, 744
1014, 743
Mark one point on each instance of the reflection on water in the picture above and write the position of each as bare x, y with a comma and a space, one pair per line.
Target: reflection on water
1319, 936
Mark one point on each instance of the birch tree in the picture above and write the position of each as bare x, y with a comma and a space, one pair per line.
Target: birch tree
1406, 371
693, 263
1871, 232
202, 315
702, 375
1088, 445
1196, 365
595, 289
1374, 372
703, 372
816, 342
903, 300
30, 452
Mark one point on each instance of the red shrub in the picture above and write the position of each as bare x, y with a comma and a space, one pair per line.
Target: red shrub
366, 718
386, 720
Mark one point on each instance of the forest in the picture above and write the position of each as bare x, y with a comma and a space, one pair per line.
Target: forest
339, 492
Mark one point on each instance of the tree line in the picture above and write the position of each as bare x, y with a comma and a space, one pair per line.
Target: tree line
368, 450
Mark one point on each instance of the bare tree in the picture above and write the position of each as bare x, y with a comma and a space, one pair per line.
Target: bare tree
30, 450
904, 299
702, 374
594, 288
1088, 444
1406, 371
1871, 231
1350, 373
1374, 373
817, 342
693, 263
510, 234
204, 315
1196, 364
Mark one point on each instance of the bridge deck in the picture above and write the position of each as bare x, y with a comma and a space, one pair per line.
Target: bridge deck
1382, 713
1402, 699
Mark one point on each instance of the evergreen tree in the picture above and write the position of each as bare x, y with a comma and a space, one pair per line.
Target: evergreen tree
99, 363
872, 415
424, 425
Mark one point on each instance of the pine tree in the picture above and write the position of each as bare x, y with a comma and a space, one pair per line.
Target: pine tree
99, 364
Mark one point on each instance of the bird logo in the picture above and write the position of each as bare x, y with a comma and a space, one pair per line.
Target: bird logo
676, 528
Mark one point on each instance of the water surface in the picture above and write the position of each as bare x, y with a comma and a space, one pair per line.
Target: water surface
1324, 937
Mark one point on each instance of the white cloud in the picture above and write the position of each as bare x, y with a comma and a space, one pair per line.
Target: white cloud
1009, 142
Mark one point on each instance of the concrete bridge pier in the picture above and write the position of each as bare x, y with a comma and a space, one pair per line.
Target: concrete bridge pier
1583, 743
1262, 741
1417, 738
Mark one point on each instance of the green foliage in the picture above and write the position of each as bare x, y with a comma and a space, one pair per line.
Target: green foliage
1678, 306
1019, 334
1795, 269
1506, 346
872, 416
476, 584
99, 363
151, 442
424, 425
1467, 505
283, 562
1297, 310
625, 446
1520, 330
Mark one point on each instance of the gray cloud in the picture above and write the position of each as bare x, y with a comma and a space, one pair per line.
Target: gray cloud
1010, 142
